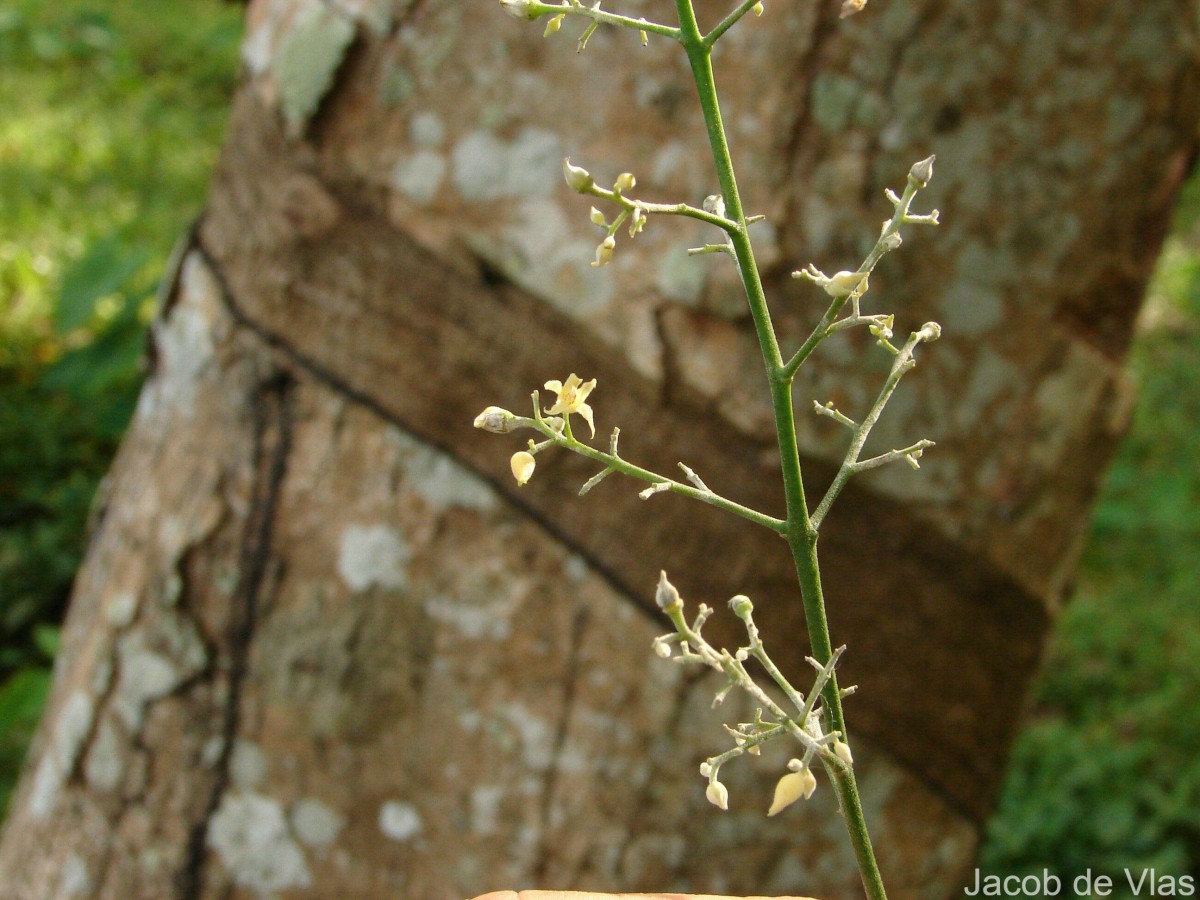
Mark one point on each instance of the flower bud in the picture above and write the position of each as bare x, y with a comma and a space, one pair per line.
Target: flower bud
666, 596
715, 204
892, 241
930, 332
842, 751
577, 178
625, 182
519, 9
758, 9
522, 465
741, 606
718, 795
662, 649
922, 171
705, 769
553, 25
496, 420
604, 252
598, 218
790, 788
843, 284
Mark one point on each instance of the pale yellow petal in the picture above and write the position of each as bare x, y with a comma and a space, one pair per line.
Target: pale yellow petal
586, 411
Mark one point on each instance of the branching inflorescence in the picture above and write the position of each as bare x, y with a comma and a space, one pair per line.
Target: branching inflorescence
812, 718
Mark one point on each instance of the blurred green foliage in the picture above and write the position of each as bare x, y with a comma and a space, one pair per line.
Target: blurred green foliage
113, 111
1107, 774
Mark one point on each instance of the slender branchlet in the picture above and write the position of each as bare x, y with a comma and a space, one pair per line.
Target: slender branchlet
811, 715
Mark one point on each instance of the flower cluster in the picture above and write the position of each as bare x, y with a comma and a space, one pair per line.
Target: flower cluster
581, 180
570, 398
804, 725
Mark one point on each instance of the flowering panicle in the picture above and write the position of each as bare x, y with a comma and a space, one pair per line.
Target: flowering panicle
813, 717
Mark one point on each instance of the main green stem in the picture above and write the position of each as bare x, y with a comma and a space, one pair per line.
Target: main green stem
801, 535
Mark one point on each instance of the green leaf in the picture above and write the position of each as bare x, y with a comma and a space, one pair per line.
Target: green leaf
46, 639
104, 269
22, 697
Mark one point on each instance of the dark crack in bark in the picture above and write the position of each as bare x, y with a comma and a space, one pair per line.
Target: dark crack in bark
272, 410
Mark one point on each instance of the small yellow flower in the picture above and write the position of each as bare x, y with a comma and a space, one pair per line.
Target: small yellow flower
522, 464
570, 397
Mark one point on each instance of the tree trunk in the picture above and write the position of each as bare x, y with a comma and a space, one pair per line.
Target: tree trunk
323, 646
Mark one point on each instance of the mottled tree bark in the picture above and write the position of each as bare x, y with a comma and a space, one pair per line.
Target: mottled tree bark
323, 646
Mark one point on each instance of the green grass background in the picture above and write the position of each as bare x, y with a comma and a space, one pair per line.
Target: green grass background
111, 115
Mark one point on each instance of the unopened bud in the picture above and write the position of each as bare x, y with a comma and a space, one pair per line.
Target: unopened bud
598, 218
666, 596
604, 252
625, 182
715, 204
705, 769
850, 7
790, 788
930, 332
922, 172
842, 751
496, 420
522, 465
662, 649
741, 606
519, 9
553, 25
577, 178
718, 795
758, 9
892, 241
